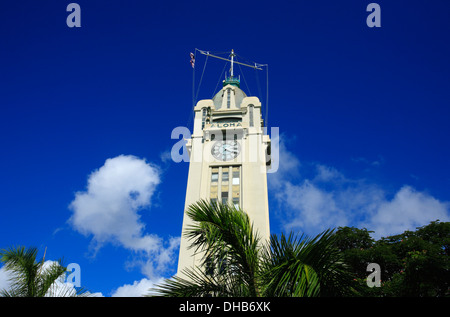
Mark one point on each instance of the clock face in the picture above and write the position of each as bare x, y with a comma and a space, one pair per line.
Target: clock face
225, 150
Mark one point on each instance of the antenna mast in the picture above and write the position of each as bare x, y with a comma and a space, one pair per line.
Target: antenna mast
231, 79
256, 66
232, 61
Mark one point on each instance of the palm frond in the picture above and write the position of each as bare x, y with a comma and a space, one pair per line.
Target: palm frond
235, 263
225, 235
304, 266
31, 278
23, 268
48, 278
196, 284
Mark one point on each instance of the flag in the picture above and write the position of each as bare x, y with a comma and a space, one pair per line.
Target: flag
192, 60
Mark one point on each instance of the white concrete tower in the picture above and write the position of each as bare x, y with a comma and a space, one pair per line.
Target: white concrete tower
229, 156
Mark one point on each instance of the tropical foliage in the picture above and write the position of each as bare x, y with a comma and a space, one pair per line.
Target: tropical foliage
31, 278
414, 263
237, 262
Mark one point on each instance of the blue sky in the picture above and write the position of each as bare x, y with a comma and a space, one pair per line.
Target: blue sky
363, 115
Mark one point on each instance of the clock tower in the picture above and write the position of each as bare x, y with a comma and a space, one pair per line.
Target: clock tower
229, 155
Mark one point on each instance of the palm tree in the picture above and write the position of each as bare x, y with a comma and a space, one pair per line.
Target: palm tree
237, 263
30, 278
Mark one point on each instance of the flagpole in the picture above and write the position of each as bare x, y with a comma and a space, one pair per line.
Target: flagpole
232, 62
193, 82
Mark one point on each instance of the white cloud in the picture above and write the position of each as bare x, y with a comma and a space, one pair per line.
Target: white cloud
166, 255
137, 289
406, 211
288, 167
109, 211
311, 207
154, 264
166, 156
326, 174
328, 199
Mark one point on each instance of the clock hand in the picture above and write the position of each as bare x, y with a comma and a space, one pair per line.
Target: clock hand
230, 150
